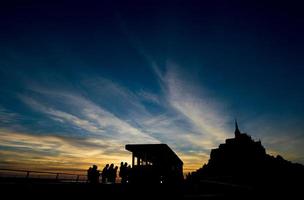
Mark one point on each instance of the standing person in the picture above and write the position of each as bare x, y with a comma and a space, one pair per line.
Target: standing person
128, 173
114, 174
110, 173
121, 171
89, 175
104, 174
126, 170
95, 174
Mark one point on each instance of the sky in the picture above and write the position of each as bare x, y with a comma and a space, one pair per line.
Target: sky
79, 80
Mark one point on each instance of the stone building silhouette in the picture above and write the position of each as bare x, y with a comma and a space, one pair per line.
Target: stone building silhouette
237, 156
243, 161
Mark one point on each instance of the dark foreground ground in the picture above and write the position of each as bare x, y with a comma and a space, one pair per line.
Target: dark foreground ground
204, 190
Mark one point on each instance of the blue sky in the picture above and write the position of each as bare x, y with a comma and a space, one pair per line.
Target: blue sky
79, 81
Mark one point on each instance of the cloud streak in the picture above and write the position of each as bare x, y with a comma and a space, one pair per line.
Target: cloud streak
207, 115
95, 119
92, 118
25, 150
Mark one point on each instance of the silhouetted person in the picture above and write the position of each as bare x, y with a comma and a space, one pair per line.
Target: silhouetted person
110, 173
126, 168
128, 173
114, 175
93, 175
96, 174
104, 174
121, 169
89, 174
123, 173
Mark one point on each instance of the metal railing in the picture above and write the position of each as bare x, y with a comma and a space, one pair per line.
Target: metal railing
42, 175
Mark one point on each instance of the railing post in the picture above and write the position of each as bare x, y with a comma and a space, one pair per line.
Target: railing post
27, 174
77, 178
57, 176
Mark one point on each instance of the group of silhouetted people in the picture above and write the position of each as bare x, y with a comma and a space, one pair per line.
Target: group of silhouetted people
93, 175
124, 172
109, 173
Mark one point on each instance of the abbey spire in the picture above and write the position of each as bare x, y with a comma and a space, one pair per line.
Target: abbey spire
237, 132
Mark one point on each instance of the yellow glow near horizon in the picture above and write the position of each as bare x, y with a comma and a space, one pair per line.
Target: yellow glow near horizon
51, 153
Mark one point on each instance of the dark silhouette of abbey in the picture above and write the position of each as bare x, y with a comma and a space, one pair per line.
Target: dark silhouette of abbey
154, 163
243, 161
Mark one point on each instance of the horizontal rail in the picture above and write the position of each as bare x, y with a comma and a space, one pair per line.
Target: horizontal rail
56, 174
41, 172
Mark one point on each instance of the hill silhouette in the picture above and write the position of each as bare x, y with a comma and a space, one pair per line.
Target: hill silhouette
243, 161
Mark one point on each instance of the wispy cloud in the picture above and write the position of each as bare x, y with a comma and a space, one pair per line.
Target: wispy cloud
8, 117
150, 97
73, 108
101, 134
91, 118
208, 116
25, 150
104, 116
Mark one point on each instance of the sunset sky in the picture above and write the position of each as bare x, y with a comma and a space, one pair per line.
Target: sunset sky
78, 81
